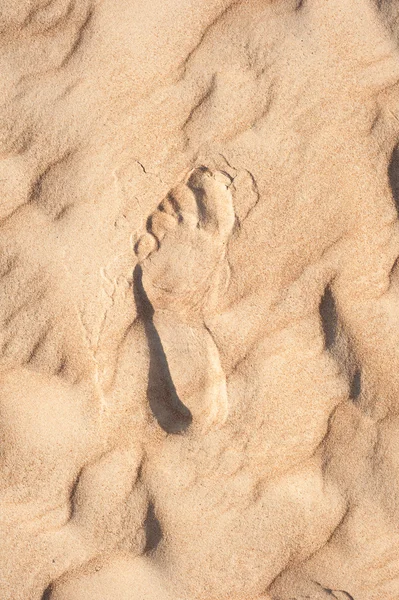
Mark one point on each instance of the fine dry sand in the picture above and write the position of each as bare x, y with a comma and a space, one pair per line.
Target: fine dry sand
199, 305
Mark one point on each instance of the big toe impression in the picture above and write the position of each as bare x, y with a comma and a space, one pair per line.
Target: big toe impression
214, 199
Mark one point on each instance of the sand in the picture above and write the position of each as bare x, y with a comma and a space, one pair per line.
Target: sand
199, 301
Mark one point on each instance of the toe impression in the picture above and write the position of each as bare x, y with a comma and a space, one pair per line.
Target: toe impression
214, 199
145, 246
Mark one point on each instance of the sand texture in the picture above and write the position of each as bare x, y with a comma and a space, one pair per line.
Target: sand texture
199, 300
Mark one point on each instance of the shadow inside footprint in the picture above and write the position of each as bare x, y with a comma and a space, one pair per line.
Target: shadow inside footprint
171, 414
47, 593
